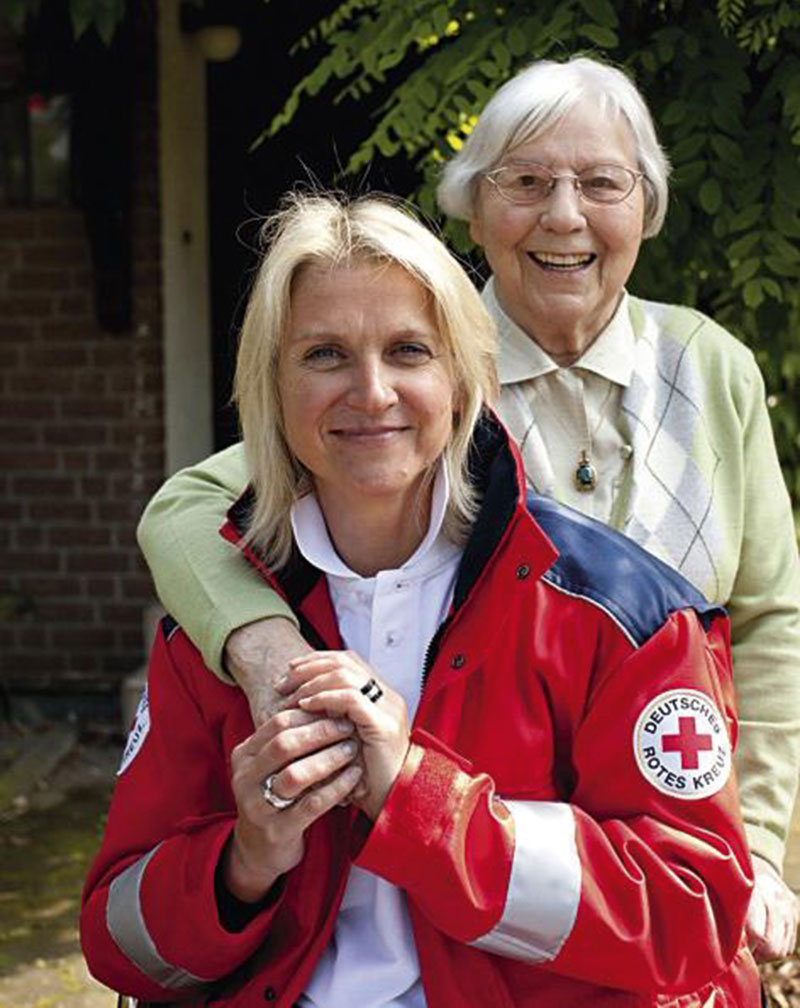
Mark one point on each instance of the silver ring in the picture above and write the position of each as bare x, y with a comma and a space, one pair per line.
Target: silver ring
372, 690
275, 800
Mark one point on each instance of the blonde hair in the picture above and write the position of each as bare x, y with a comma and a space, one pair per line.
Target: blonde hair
532, 102
320, 229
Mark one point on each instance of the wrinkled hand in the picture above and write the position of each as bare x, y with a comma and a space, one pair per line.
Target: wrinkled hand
258, 654
311, 759
772, 916
330, 682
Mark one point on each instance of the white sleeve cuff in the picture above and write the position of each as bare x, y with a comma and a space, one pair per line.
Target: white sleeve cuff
545, 884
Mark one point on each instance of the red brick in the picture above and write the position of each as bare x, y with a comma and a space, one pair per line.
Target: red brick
76, 433
90, 383
59, 254
10, 511
85, 667
50, 356
28, 409
38, 586
9, 258
96, 562
73, 304
28, 459
41, 382
32, 636
29, 560
78, 462
123, 614
30, 279
65, 612
94, 487
142, 380
76, 331
22, 663
59, 487
138, 586
118, 511
127, 432
78, 535
112, 354
62, 510
92, 408
17, 436
17, 224
28, 537
94, 637
118, 461
25, 306
100, 587
14, 332
9, 357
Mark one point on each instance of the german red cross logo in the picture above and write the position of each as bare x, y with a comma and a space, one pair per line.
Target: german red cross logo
687, 742
681, 744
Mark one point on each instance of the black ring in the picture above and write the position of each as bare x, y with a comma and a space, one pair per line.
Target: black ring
372, 690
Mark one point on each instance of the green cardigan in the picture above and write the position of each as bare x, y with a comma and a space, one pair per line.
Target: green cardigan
704, 492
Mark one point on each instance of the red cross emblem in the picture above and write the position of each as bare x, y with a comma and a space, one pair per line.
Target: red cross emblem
687, 742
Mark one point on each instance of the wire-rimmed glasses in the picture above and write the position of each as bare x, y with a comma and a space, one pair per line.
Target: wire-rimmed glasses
526, 182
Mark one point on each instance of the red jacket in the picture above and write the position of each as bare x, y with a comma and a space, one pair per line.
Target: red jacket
565, 826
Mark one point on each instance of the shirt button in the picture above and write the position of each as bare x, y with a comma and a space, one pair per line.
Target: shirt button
523, 571
457, 661
269, 994
391, 638
626, 451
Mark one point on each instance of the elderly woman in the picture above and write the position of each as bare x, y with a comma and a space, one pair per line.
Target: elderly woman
561, 826
646, 416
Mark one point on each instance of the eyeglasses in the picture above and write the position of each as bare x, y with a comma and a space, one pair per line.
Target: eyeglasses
525, 182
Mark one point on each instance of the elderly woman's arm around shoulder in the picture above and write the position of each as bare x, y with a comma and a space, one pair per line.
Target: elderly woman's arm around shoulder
242, 627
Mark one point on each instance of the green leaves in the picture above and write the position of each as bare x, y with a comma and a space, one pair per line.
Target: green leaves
102, 15
710, 196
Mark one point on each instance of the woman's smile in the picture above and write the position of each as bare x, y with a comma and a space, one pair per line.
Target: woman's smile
366, 388
560, 264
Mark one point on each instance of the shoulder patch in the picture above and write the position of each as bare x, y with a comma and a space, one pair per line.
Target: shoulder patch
597, 563
681, 745
138, 733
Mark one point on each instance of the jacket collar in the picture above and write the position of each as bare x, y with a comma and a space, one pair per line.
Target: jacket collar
500, 480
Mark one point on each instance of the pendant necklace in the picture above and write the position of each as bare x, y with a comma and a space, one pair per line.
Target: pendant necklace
585, 472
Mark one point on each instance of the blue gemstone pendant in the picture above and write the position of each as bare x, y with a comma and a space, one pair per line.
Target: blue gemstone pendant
585, 474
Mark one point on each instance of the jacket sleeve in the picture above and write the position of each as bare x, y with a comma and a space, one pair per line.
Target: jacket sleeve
626, 886
200, 578
765, 630
150, 924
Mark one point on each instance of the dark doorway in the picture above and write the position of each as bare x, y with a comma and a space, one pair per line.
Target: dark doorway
243, 96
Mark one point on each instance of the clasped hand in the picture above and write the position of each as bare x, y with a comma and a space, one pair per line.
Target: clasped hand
331, 744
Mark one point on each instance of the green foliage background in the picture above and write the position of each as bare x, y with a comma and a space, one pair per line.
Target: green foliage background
722, 80
723, 83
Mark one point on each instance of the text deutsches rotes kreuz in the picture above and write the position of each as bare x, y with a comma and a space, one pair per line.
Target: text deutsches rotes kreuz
681, 744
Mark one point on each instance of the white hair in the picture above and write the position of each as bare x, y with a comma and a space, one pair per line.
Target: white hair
536, 99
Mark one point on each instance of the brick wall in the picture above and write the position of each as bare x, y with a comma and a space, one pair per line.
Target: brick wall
80, 433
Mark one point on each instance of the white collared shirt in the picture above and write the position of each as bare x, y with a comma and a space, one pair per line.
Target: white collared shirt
576, 408
389, 620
